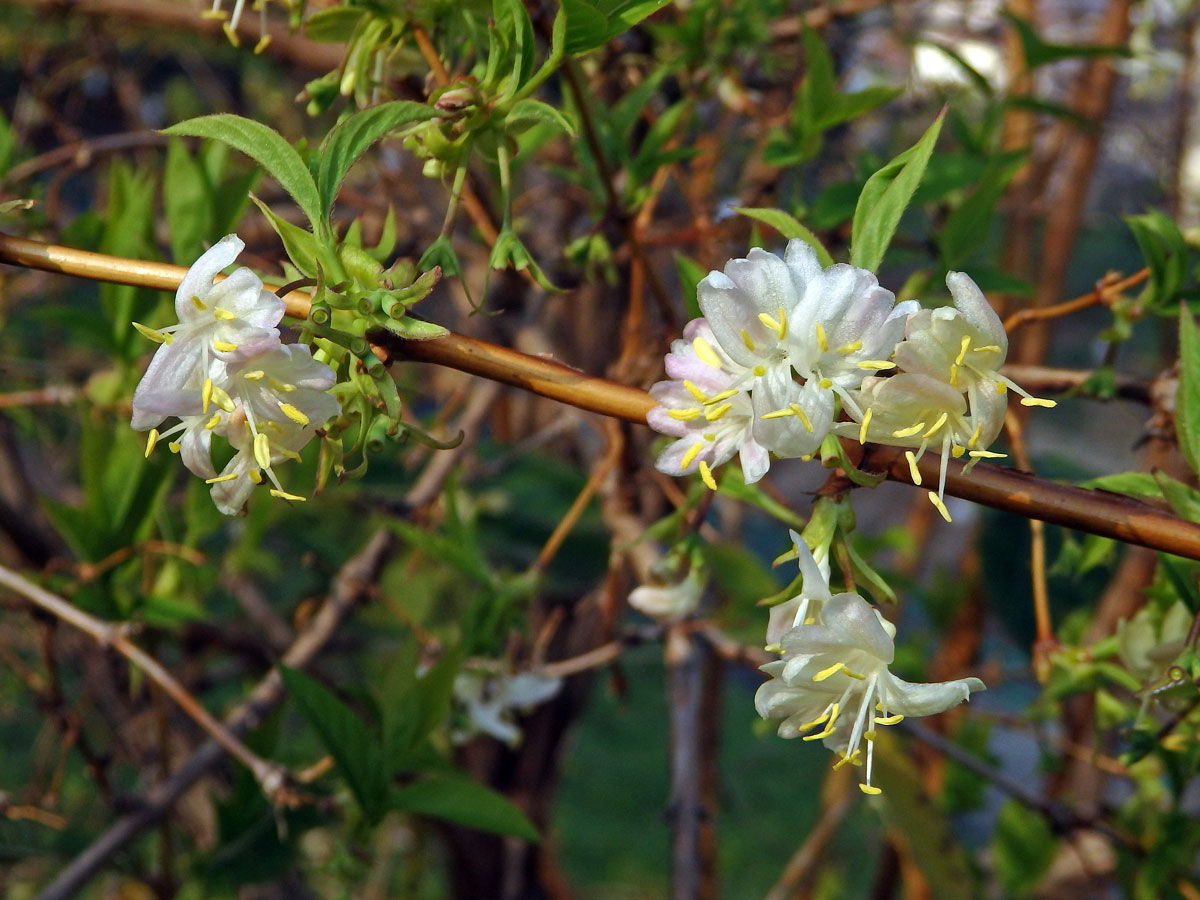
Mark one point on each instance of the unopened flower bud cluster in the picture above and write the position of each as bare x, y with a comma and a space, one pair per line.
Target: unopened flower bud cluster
786, 346
224, 371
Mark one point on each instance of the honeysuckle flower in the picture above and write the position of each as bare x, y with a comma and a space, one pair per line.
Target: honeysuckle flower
910, 410
259, 449
218, 324
834, 682
805, 607
705, 407
230, 24
963, 345
670, 602
490, 701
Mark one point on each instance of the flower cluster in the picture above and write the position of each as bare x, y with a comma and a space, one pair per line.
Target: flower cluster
223, 370
786, 346
833, 680
489, 698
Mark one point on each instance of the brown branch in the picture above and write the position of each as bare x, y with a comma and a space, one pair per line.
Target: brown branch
1103, 293
1096, 512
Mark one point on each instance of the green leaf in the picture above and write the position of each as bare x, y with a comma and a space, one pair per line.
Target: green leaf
267, 148
457, 799
884, 198
514, 25
301, 247
732, 485
691, 273
342, 147
1166, 254
593, 23
530, 111
1040, 53
187, 202
349, 741
969, 225
423, 706
1187, 403
1023, 847
788, 226
335, 24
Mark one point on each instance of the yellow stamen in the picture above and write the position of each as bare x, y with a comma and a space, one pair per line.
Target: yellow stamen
760, 371
224, 346
206, 393
988, 454
262, 450
696, 393
953, 376
990, 348
707, 477
825, 384
219, 478
282, 386
870, 790
974, 439
939, 506
284, 495
222, 399
819, 720
962, 350
223, 314
912, 467
724, 395
936, 425
684, 415
159, 337
956, 451
862, 429
255, 476
717, 412
876, 365
213, 422
256, 375
151, 440
852, 347
705, 352
833, 670
173, 446
889, 720
1038, 401
908, 432
778, 414
799, 413
847, 760
746, 340
1001, 388
822, 341
783, 323
198, 303
293, 413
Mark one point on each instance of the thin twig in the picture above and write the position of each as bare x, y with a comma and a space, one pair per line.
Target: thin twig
1102, 293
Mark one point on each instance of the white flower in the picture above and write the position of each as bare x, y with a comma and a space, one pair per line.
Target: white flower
670, 602
834, 682
704, 406
805, 607
218, 324
908, 410
1152, 640
491, 700
963, 345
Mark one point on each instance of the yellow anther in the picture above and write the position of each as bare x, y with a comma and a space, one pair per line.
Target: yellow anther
1001, 388
706, 476
696, 393
724, 395
293, 413
219, 478
987, 454
746, 340
284, 495
760, 371
173, 446
151, 440
262, 450
263, 43
939, 506
706, 353
820, 735
953, 376
708, 436
990, 348
1038, 401
962, 350
799, 413
224, 346
213, 422
973, 440
833, 670
198, 303
282, 386
783, 323
869, 735
159, 337
206, 393
933, 429
889, 720
822, 341
866, 423
870, 790
876, 365
847, 760
908, 432
825, 384
912, 467
223, 314
289, 454
819, 720
957, 451
717, 412
222, 399
778, 414
255, 375
255, 476
852, 347
684, 415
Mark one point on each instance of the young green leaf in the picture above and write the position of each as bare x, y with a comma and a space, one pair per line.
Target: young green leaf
593, 23
789, 227
884, 198
342, 147
1165, 252
301, 247
267, 148
1187, 403
529, 112
1040, 53
460, 800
